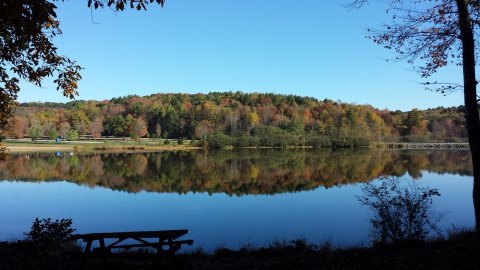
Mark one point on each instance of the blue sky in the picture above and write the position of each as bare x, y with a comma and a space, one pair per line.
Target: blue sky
309, 47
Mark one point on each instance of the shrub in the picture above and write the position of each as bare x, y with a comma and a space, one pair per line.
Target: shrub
400, 213
253, 141
46, 229
51, 236
415, 139
246, 141
275, 137
220, 140
456, 140
350, 141
318, 141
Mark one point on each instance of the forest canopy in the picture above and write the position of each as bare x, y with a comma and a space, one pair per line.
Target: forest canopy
237, 119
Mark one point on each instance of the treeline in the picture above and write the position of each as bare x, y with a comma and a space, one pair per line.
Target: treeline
231, 172
236, 119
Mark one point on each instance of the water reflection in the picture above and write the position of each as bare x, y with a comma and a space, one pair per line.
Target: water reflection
231, 172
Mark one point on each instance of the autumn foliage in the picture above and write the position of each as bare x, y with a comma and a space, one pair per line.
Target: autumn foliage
237, 119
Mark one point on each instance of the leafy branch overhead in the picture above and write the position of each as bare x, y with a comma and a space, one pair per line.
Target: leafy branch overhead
424, 33
27, 52
121, 4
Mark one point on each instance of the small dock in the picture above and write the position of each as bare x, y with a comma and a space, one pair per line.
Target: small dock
446, 146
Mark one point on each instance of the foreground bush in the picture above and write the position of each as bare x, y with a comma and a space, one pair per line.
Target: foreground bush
49, 236
400, 213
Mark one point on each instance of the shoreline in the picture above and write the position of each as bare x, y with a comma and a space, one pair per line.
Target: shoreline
457, 251
24, 147
130, 146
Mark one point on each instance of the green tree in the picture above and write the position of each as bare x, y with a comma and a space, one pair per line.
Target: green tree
414, 120
170, 122
72, 135
115, 125
53, 134
79, 121
35, 130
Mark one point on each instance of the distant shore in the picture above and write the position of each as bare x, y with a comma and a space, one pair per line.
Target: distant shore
86, 146
20, 146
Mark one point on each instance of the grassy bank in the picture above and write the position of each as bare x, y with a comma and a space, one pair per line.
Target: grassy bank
87, 146
459, 251
16, 146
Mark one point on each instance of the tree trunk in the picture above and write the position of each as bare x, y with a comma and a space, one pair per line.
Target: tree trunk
471, 107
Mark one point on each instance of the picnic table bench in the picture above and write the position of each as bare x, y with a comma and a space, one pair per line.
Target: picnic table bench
156, 240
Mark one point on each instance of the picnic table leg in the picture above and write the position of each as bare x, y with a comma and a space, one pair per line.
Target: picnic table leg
160, 252
160, 246
89, 245
171, 250
103, 250
102, 243
85, 253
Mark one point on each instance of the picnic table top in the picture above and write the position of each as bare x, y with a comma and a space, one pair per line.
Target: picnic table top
173, 234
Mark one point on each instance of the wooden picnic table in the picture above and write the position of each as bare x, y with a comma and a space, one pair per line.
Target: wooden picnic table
149, 239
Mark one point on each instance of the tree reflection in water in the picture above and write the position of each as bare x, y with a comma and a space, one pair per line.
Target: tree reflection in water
231, 172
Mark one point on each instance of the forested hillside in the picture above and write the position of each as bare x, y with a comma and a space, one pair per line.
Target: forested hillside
237, 119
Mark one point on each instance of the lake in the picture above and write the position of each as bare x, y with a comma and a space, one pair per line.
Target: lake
227, 198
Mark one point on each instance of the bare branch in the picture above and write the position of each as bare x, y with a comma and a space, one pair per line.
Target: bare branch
442, 88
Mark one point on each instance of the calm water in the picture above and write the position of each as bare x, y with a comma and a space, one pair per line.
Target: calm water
225, 199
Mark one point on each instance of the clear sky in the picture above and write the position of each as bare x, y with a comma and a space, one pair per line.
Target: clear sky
310, 47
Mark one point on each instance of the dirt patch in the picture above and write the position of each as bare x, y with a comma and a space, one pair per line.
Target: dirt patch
85, 147
41, 148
